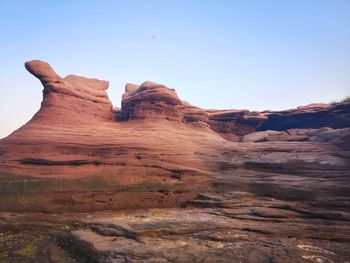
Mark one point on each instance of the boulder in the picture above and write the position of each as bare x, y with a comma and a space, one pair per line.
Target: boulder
263, 136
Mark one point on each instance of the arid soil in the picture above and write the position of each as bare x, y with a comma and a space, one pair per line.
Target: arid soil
160, 180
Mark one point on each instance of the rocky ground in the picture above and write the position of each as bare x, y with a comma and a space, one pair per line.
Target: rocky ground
235, 227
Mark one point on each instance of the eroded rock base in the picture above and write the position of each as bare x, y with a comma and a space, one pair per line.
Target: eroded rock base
235, 227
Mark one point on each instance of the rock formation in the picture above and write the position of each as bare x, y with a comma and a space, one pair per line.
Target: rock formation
310, 116
76, 142
254, 186
70, 99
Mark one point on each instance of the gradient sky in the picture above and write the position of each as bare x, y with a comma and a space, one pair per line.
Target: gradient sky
217, 54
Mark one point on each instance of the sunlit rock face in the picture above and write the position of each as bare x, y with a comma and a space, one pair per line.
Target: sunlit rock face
70, 99
78, 153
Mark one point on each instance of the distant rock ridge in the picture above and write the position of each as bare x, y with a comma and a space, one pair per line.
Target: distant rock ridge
310, 116
85, 100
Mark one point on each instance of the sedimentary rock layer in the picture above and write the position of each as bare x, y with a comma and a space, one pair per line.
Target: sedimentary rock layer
78, 153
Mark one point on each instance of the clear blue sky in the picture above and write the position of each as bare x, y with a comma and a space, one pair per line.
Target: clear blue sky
217, 54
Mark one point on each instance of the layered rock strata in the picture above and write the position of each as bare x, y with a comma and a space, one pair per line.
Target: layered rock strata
79, 154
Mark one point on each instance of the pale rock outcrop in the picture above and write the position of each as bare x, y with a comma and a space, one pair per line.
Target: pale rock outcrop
264, 136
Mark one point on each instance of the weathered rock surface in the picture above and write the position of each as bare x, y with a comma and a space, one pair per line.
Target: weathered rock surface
156, 145
70, 99
234, 227
252, 186
310, 116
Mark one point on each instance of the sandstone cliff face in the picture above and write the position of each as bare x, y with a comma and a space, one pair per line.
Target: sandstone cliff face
155, 101
70, 99
77, 153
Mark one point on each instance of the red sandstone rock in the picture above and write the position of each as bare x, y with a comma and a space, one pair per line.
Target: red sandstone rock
72, 99
77, 144
246, 195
